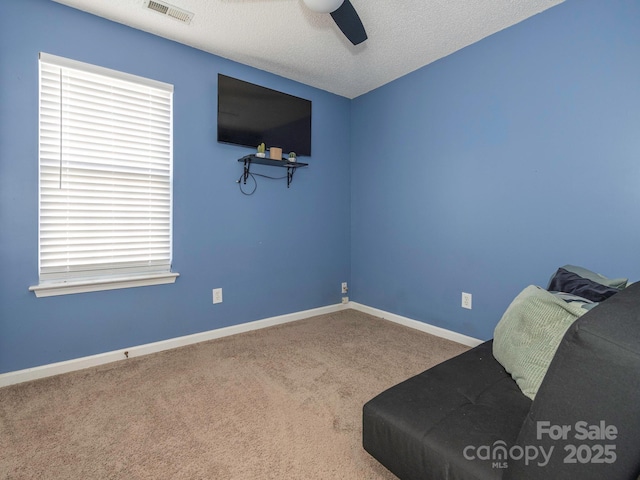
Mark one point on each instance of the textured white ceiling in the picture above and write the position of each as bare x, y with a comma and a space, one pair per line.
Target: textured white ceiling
286, 38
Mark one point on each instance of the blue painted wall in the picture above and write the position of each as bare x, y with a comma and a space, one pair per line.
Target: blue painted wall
485, 171
278, 251
482, 172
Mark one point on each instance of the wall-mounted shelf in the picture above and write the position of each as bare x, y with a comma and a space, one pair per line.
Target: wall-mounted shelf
290, 166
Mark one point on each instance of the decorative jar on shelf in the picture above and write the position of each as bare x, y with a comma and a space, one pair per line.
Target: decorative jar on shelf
275, 153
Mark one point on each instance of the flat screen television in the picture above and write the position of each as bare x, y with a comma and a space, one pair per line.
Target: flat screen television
249, 115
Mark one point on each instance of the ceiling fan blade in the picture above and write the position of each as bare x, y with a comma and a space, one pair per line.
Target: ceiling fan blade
349, 22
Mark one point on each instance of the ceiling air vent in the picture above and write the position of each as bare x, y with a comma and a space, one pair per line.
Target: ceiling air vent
169, 10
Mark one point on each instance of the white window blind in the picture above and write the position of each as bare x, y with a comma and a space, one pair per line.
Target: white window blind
105, 173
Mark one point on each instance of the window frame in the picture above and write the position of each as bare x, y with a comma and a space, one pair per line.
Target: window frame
101, 277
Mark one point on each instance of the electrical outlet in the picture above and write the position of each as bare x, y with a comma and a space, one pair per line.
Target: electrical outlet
345, 288
217, 295
345, 300
466, 300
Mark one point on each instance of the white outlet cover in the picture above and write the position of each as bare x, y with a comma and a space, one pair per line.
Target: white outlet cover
217, 295
466, 300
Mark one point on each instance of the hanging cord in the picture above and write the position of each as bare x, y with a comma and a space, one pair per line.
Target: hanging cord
240, 183
255, 186
61, 126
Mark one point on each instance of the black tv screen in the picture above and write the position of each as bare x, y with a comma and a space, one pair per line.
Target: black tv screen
249, 115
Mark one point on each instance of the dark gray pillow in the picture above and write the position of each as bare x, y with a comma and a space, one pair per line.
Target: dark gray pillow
596, 277
569, 282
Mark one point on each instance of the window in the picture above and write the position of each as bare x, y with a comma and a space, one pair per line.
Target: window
105, 179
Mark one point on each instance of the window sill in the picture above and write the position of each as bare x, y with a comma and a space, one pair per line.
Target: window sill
96, 285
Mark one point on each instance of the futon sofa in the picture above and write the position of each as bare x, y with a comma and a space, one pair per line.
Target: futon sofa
468, 418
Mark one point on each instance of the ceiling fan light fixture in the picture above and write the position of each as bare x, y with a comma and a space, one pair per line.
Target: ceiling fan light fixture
323, 6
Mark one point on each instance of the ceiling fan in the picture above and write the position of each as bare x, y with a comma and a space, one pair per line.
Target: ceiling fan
344, 15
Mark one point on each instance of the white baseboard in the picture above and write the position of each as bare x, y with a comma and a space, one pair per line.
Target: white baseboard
51, 369
424, 327
58, 368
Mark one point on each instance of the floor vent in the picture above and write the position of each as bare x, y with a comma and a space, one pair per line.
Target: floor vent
169, 10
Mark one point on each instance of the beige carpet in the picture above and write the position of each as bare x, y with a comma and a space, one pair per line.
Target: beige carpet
278, 403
